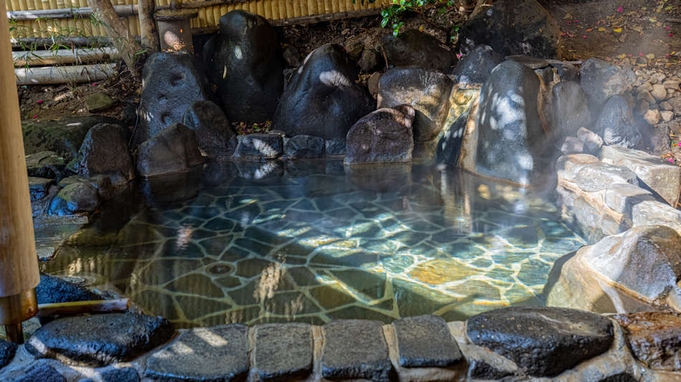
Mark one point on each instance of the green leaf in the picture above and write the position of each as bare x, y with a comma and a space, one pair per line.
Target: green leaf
385, 22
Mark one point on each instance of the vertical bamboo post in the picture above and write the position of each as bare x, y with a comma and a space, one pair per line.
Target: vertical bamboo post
148, 31
18, 259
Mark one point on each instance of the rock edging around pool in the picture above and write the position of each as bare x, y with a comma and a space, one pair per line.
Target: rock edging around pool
508, 344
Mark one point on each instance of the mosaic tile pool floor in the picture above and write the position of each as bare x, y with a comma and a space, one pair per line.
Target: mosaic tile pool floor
323, 247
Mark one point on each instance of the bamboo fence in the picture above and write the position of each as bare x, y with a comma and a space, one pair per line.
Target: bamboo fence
279, 12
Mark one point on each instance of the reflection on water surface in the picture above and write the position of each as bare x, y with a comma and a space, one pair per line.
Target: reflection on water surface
376, 243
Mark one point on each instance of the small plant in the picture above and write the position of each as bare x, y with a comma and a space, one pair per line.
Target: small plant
392, 15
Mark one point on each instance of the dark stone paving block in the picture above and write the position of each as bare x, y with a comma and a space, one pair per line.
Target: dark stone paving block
542, 341
283, 351
355, 349
99, 340
219, 353
126, 374
654, 338
7, 352
40, 372
425, 341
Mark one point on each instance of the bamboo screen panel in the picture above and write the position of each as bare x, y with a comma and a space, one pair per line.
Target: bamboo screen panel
275, 10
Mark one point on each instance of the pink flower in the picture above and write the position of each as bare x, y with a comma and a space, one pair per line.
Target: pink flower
35, 116
671, 35
620, 9
39, 102
584, 36
568, 22
641, 54
575, 21
671, 160
94, 84
667, 28
679, 144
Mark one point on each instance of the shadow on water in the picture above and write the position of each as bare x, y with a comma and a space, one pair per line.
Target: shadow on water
320, 243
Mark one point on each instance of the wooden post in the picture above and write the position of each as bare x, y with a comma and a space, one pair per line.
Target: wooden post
18, 258
148, 30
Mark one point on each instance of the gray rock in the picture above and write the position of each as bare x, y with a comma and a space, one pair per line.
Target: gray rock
219, 353
304, 146
214, 133
171, 151
335, 146
99, 340
513, 27
39, 188
449, 146
105, 152
544, 342
621, 197
126, 374
283, 351
510, 136
74, 198
477, 65
650, 212
571, 145
568, 166
654, 338
486, 364
591, 140
63, 136
40, 372
171, 83
45, 164
383, 136
598, 176
656, 174
7, 352
322, 98
54, 289
259, 146
659, 92
428, 92
620, 377
355, 349
616, 124
171, 187
645, 95
425, 341
414, 48
602, 80
369, 60
245, 62
99, 101
645, 260
569, 109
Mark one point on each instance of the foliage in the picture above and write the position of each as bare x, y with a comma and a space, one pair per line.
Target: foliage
392, 15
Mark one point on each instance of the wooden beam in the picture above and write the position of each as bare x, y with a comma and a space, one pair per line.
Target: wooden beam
63, 56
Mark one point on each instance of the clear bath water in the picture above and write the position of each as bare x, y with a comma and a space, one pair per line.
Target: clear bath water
329, 243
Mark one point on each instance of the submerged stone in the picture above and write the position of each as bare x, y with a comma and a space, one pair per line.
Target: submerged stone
99, 340
544, 342
218, 353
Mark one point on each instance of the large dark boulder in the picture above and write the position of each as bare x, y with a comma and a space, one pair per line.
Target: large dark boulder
7, 352
428, 92
99, 340
510, 136
323, 98
616, 123
304, 146
78, 197
513, 27
544, 342
105, 152
476, 66
414, 48
170, 85
63, 136
602, 80
54, 289
569, 109
383, 136
214, 133
245, 62
172, 151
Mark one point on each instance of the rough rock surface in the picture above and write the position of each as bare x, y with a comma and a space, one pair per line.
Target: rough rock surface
45, 164
7, 351
215, 135
569, 108
428, 92
383, 136
654, 338
598, 176
99, 340
259, 146
218, 353
171, 84
283, 351
54, 289
63, 136
304, 146
245, 62
74, 198
509, 132
322, 99
513, 27
415, 48
105, 152
476, 66
173, 150
616, 124
40, 372
544, 342
602, 80
355, 349
425, 341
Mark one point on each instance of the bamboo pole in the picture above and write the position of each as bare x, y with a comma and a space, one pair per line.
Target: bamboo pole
148, 30
46, 43
60, 57
18, 258
68, 13
64, 74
